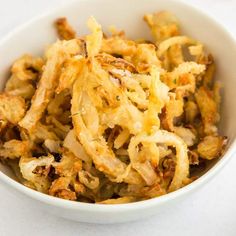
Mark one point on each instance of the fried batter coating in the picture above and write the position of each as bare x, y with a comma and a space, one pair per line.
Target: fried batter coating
64, 29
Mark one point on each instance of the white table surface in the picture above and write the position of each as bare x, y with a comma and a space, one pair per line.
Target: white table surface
210, 211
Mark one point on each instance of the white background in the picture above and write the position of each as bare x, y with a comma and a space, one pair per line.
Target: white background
210, 211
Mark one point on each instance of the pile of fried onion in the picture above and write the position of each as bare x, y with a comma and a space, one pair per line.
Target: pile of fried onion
105, 119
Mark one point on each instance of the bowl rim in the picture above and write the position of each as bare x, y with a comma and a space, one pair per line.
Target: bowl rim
90, 207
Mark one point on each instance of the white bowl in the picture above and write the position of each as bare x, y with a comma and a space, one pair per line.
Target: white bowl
127, 15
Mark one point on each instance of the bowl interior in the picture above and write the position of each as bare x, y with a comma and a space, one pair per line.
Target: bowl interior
34, 37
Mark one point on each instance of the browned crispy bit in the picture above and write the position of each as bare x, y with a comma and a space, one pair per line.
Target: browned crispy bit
79, 188
119, 46
14, 149
208, 110
60, 188
191, 111
209, 75
41, 170
18, 87
12, 108
193, 157
145, 57
163, 25
69, 165
27, 67
66, 194
211, 147
107, 60
173, 109
169, 167
3, 124
206, 59
64, 29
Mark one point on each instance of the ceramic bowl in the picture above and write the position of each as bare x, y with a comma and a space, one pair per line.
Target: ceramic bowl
34, 36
